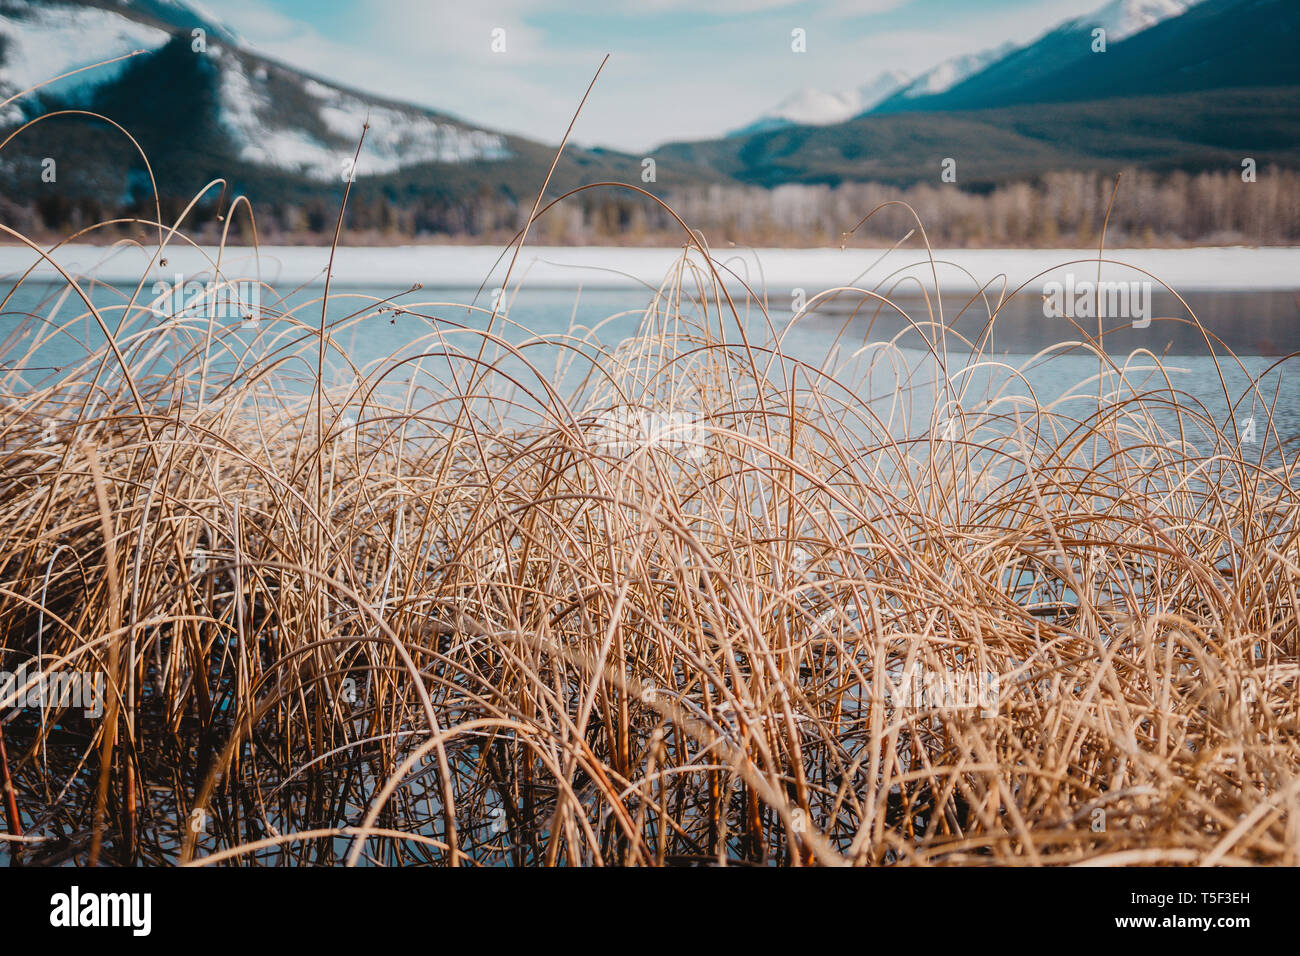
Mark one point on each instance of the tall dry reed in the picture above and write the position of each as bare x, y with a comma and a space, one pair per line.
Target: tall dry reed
679, 598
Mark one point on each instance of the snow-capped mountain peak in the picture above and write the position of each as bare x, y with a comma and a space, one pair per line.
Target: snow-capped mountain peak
950, 72
813, 107
991, 73
884, 85
1122, 19
42, 40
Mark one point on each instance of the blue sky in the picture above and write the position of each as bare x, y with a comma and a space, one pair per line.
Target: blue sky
679, 69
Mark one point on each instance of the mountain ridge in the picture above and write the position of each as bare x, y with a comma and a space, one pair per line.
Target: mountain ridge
1159, 99
813, 107
215, 109
1202, 89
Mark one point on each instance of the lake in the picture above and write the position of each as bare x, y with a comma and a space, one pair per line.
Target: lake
563, 312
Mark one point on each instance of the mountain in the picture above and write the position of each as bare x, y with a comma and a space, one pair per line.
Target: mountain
813, 107
1215, 44
1063, 54
42, 40
214, 109
975, 77
1193, 131
952, 71
1122, 19
1197, 90
1182, 86
271, 115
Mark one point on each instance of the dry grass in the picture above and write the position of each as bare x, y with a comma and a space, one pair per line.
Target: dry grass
468, 619
466, 608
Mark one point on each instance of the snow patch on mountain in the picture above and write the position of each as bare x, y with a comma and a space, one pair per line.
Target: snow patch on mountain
397, 137
401, 137
188, 8
42, 41
1122, 19
813, 107
950, 72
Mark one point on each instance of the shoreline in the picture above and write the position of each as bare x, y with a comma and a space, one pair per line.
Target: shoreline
1203, 268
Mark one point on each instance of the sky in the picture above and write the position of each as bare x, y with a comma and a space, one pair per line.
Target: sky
678, 69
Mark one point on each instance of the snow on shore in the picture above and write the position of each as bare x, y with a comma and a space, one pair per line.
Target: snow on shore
779, 271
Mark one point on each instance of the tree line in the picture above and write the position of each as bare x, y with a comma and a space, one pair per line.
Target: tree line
1057, 209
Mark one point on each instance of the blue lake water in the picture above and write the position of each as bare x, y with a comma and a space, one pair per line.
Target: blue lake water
557, 336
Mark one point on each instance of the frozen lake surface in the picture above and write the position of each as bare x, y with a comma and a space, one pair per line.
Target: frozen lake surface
778, 270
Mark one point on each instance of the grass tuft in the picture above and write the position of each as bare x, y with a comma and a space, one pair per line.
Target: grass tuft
681, 598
